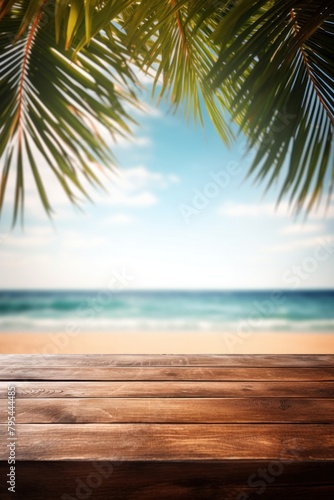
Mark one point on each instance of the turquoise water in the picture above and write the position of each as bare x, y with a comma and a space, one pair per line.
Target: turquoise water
179, 311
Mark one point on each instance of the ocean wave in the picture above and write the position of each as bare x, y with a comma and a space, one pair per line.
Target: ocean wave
166, 311
26, 323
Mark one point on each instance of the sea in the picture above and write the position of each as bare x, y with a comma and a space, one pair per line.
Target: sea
282, 311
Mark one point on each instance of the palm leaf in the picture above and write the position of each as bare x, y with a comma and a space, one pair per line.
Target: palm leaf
66, 67
277, 57
172, 39
53, 103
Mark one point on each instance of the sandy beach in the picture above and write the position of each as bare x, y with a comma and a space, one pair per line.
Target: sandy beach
166, 343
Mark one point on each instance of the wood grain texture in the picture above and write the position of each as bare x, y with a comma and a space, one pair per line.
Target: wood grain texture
171, 410
179, 427
105, 360
155, 481
168, 442
170, 389
143, 473
165, 373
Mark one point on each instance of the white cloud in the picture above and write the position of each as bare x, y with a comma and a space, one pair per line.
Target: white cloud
146, 78
118, 219
3, 237
323, 214
152, 111
298, 244
247, 210
123, 142
127, 187
140, 177
252, 210
300, 229
72, 239
35, 237
143, 110
174, 178
118, 198
133, 187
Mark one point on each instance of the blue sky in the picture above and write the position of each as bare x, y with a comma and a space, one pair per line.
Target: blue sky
178, 215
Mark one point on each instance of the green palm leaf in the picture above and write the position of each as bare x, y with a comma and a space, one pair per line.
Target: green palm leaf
277, 57
66, 67
173, 40
52, 103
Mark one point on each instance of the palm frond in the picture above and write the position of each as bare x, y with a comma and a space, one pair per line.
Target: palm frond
277, 59
66, 67
172, 39
52, 102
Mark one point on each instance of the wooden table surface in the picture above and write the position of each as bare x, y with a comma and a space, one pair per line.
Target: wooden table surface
170, 426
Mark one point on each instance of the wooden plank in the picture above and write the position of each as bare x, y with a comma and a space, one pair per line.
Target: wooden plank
230, 472
151, 481
170, 442
169, 389
105, 360
166, 410
164, 373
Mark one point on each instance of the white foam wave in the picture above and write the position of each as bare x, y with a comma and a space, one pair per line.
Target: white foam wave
26, 323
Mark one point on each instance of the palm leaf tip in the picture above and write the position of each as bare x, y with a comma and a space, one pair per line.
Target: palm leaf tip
281, 74
55, 110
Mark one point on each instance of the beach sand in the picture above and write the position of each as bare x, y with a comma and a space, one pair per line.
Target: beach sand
166, 343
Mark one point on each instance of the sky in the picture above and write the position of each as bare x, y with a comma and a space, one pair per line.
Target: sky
178, 214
